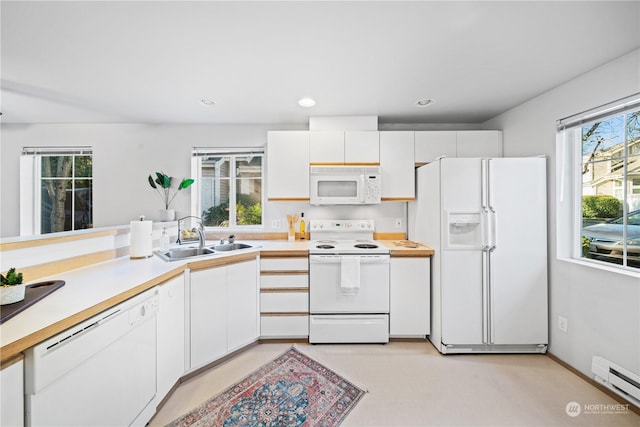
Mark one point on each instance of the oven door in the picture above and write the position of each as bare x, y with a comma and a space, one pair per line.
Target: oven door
338, 189
327, 291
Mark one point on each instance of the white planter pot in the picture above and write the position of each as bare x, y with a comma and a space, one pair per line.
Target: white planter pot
11, 294
167, 215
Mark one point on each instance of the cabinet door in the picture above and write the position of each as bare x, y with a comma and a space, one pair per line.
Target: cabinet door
429, 145
409, 312
12, 394
171, 342
479, 143
288, 165
397, 165
362, 147
243, 310
208, 301
326, 147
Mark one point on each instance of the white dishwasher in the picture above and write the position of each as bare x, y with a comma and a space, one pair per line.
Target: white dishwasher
101, 372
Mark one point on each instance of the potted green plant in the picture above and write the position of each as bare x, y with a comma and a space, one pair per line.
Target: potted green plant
11, 287
162, 183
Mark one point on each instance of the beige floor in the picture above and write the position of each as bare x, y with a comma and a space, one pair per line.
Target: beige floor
411, 384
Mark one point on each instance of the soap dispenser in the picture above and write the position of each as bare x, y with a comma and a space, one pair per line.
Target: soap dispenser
164, 240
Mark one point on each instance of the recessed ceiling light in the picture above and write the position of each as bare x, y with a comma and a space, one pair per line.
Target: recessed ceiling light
306, 102
424, 102
207, 102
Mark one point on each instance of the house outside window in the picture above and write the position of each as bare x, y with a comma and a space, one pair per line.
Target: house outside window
606, 156
56, 191
228, 187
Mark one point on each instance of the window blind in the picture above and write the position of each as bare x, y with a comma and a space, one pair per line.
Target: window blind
226, 151
602, 112
60, 151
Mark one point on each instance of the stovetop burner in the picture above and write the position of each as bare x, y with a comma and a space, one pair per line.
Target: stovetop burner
365, 246
325, 246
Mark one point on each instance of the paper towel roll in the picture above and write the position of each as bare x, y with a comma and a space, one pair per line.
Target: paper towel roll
141, 239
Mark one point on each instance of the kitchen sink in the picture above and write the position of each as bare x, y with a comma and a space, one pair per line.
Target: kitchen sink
231, 247
176, 254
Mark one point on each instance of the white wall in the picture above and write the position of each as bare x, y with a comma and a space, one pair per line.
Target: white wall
125, 154
603, 308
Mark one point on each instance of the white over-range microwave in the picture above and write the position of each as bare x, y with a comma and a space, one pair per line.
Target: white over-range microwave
344, 185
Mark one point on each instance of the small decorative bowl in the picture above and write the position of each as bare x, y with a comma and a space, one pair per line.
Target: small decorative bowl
11, 294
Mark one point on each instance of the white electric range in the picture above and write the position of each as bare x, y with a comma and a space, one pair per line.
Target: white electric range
348, 283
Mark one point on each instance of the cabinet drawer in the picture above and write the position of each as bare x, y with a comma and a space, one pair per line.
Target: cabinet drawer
284, 302
284, 264
280, 326
284, 281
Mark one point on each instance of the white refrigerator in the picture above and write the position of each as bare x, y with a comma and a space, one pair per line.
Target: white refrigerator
486, 219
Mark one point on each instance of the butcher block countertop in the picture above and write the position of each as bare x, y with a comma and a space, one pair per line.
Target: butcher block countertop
93, 289
407, 248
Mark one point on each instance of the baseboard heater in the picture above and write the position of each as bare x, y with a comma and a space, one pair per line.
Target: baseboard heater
616, 378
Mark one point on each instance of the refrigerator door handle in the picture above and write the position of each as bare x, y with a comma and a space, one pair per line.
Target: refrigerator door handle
490, 323
484, 179
488, 184
493, 227
486, 229
485, 295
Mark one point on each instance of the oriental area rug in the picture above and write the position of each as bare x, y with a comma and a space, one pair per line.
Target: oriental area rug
290, 391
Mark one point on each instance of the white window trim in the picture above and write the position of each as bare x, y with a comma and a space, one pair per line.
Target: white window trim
196, 171
30, 199
568, 176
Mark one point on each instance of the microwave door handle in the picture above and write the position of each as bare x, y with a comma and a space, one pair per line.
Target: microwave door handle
362, 189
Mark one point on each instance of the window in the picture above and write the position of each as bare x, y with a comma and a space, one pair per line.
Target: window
606, 164
56, 189
228, 187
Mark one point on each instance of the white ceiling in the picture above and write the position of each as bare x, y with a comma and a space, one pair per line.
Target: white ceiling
152, 62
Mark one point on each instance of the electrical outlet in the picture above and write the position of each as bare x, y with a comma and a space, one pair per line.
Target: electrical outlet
398, 223
563, 323
275, 223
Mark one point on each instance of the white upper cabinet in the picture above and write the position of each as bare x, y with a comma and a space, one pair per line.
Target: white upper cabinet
479, 143
429, 145
338, 147
326, 147
362, 147
397, 165
288, 165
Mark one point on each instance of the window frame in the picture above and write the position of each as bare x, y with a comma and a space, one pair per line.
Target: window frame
30, 185
196, 170
569, 171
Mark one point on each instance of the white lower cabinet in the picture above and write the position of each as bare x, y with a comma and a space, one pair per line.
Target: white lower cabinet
410, 307
284, 297
12, 393
171, 335
223, 310
242, 304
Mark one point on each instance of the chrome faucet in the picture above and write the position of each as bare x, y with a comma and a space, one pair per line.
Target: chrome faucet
194, 229
201, 236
